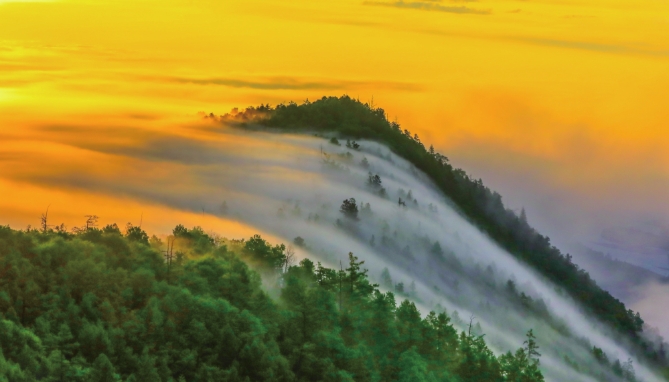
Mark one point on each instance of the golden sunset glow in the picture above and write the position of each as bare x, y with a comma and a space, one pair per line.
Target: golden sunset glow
572, 92
500, 168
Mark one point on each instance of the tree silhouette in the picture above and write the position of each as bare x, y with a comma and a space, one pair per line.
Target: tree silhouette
350, 209
44, 220
531, 347
299, 241
91, 221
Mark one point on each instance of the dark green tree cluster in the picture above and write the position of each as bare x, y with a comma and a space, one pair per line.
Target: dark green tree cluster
196, 239
342, 326
350, 209
97, 306
352, 118
374, 183
263, 254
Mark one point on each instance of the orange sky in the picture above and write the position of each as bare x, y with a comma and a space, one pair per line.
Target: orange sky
567, 99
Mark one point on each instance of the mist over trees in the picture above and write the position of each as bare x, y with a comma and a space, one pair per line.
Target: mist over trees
414, 241
349, 209
98, 305
351, 118
468, 273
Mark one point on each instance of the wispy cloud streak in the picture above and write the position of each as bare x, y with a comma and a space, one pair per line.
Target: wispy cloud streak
291, 83
429, 6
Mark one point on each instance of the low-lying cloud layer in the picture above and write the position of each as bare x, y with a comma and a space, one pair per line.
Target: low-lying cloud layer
287, 186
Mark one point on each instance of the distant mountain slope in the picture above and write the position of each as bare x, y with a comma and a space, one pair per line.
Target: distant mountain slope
618, 277
645, 243
484, 207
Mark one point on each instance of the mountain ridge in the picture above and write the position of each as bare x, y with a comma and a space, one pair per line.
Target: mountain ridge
351, 118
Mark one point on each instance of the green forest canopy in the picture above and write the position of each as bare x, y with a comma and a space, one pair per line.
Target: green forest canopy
99, 305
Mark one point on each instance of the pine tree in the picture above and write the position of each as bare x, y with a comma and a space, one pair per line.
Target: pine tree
531, 347
409, 325
350, 209
386, 280
103, 370
413, 368
146, 368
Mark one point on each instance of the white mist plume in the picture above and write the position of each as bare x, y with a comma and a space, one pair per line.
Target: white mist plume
297, 190
290, 186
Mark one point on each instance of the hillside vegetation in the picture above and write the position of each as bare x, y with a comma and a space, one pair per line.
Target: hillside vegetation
349, 118
100, 305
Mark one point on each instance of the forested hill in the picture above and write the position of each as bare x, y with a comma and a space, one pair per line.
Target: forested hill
349, 118
102, 305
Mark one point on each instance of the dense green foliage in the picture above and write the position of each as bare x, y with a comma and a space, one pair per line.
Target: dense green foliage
101, 306
351, 118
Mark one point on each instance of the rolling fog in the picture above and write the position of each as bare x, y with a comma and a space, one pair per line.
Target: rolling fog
297, 190
287, 186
